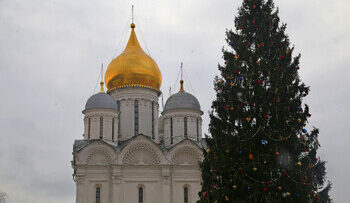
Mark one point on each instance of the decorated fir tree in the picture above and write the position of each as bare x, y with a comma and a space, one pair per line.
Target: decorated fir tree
261, 148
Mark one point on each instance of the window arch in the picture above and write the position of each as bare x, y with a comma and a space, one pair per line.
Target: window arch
89, 128
136, 118
101, 127
171, 131
98, 194
141, 195
185, 127
186, 190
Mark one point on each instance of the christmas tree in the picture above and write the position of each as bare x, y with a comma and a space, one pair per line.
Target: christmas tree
261, 148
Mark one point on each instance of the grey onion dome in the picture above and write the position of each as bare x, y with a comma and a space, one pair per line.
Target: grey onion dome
182, 100
101, 101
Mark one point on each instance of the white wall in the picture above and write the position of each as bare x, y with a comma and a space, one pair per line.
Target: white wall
145, 97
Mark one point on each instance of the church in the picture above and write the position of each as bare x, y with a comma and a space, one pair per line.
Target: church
131, 152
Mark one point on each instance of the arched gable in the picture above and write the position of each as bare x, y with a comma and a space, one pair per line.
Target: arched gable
185, 153
96, 153
141, 151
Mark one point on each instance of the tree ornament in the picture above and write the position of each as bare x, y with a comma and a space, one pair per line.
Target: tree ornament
266, 116
208, 150
261, 44
226, 198
282, 56
287, 121
264, 142
236, 56
309, 115
299, 163
234, 187
299, 120
248, 119
265, 162
279, 188
251, 156
277, 153
259, 81
232, 108
254, 6
278, 99
232, 84
287, 51
304, 130
227, 151
255, 169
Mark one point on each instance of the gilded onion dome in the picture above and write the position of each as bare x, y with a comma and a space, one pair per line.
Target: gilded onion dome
133, 68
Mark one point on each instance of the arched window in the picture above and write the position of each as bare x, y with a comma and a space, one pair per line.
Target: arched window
118, 107
136, 118
141, 194
186, 194
171, 131
152, 120
101, 127
98, 195
197, 125
89, 128
185, 127
113, 129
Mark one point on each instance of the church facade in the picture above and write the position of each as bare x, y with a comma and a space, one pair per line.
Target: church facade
132, 153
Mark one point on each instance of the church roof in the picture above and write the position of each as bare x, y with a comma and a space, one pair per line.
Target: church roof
182, 100
101, 101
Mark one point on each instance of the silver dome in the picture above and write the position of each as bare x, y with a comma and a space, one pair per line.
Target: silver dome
101, 101
182, 100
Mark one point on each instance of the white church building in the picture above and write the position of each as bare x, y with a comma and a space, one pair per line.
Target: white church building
132, 153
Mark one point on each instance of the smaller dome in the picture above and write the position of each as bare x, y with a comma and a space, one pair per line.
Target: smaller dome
182, 100
101, 101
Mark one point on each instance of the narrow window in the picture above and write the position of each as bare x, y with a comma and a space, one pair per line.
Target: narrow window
186, 194
185, 127
89, 128
101, 127
136, 117
98, 195
171, 131
118, 106
140, 194
197, 130
152, 120
112, 129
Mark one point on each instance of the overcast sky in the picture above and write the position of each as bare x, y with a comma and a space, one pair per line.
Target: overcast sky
50, 56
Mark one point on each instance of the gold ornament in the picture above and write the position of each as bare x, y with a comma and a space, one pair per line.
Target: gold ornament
255, 169
234, 187
287, 193
236, 56
279, 188
265, 161
287, 121
232, 84
208, 151
248, 119
299, 163
299, 120
287, 51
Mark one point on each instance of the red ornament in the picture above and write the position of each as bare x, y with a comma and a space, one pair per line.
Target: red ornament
226, 198
254, 6
254, 20
236, 71
266, 116
309, 115
250, 155
277, 153
282, 56
232, 108
265, 189
241, 27
204, 194
259, 81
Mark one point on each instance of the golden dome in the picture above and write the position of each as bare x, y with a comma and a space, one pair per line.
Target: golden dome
133, 68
